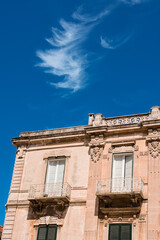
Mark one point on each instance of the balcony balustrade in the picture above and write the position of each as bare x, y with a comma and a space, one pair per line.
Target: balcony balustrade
120, 195
119, 186
49, 192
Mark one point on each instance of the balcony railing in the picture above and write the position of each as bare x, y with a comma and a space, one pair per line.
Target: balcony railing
50, 190
119, 186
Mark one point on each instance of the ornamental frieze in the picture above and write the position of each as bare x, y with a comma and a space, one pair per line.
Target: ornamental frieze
99, 120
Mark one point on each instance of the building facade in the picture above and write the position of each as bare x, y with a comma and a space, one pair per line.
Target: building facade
100, 181
1, 230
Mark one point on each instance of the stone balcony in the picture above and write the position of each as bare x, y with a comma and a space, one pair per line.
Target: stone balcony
120, 196
50, 193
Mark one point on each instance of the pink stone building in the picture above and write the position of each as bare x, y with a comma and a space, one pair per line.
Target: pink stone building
100, 181
1, 230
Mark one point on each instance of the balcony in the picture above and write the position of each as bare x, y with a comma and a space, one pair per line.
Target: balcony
120, 196
50, 193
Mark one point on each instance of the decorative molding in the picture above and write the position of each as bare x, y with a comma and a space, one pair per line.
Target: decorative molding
42, 210
48, 220
57, 153
136, 148
153, 135
141, 154
96, 147
119, 146
154, 148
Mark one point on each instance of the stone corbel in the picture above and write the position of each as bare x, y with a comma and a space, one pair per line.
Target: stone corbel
96, 146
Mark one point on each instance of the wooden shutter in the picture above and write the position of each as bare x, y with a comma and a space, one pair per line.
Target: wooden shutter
125, 232
42, 233
128, 173
52, 232
117, 173
114, 232
128, 166
60, 171
118, 166
51, 171
120, 232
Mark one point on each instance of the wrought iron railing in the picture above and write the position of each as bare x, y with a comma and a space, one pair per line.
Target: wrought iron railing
49, 190
120, 185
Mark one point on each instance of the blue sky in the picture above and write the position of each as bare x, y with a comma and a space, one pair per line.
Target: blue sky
60, 60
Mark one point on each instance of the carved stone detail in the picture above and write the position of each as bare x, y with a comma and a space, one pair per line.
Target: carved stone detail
143, 154
21, 153
136, 148
42, 210
154, 148
96, 147
110, 150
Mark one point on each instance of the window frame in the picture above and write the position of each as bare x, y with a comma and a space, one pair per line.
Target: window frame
123, 154
120, 224
47, 227
55, 159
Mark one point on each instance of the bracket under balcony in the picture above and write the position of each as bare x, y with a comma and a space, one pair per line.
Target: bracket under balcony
52, 199
120, 196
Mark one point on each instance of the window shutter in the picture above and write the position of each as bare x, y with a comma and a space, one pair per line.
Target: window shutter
60, 171
128, 173
51, 171
117, 173
42, 233
118, 166
128, 167
126, 232
52, 232
114, 232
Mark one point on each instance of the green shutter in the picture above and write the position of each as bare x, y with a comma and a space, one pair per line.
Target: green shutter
126, 232
120, 232
42, 230
114, 232
52, 232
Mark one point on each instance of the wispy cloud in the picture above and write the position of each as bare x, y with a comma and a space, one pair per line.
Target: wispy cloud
66, 57
113, 44
133, 2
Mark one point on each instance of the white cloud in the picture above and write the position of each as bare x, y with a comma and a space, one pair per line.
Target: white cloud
66, 57
133, 2
88, 18
113, 44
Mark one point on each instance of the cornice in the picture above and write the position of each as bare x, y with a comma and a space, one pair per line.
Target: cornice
79, 134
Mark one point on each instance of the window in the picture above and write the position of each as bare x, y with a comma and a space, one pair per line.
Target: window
47, 232
54, 177
122, 172
120, 232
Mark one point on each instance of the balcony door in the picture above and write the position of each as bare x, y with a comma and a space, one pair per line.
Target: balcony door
122, 171
54, 177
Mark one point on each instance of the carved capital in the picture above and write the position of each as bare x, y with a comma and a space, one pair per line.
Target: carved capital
96, 147
154, 148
